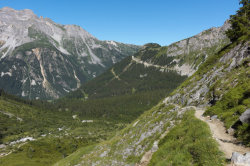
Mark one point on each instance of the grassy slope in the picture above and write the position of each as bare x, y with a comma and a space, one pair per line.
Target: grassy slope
128, 138
188, 143
228, 93
56, 145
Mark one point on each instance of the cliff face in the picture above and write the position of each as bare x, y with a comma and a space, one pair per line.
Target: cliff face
42, 59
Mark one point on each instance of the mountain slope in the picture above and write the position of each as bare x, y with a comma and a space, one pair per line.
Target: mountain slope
220, 86
154, 67
46, 60
129, 145
145, 81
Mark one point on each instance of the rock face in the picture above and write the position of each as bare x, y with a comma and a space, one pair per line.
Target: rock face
186, 55
42, 59
206, 89
245, 117
240, 160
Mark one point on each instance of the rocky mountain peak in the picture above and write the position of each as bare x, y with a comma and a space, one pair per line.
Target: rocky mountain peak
68, 55
22, 14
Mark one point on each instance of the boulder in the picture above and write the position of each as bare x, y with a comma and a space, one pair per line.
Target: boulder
238, 159
2, 146
214, 117
245, 117
230, 131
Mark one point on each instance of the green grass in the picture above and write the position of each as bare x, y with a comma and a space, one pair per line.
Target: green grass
128, 136
76, 158
39, 121
188, 143
42, 152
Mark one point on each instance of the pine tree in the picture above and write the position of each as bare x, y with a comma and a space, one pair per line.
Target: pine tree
240, 23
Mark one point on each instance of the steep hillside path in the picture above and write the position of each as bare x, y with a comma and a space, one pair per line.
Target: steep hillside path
146, 64
227, 143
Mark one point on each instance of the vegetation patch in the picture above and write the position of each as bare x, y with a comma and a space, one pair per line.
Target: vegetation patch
188, 143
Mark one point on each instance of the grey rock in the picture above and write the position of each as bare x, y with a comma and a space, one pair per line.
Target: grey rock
214, 117
238, 159
230, 131
105, 153
2, 146
245, 117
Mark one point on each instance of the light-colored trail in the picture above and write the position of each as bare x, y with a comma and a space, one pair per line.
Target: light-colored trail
227, 143
115, 76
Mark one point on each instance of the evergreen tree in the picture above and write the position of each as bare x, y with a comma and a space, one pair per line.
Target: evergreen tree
240, 23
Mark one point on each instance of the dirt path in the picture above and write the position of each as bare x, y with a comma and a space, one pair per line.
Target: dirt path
227, 143
146, 64
115, 76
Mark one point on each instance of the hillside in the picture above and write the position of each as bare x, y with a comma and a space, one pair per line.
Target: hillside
183, 104
121, 91
41, 59
144, 134
169, 133
112, 100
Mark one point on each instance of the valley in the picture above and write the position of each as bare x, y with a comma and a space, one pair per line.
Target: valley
69, 99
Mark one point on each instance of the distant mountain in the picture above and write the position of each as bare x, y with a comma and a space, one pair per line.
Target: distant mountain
155, 67
40, 59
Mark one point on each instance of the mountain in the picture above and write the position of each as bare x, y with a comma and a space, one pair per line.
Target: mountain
172, 132
138, 82
108, 102
114, 119
156, 67
40, 59
169, 133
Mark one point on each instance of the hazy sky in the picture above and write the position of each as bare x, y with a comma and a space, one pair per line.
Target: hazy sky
134, 21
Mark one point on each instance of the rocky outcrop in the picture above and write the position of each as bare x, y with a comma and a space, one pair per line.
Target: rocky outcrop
240, 160
245, 117
201, 91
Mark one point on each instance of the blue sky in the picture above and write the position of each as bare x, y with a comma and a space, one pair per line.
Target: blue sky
134, 21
